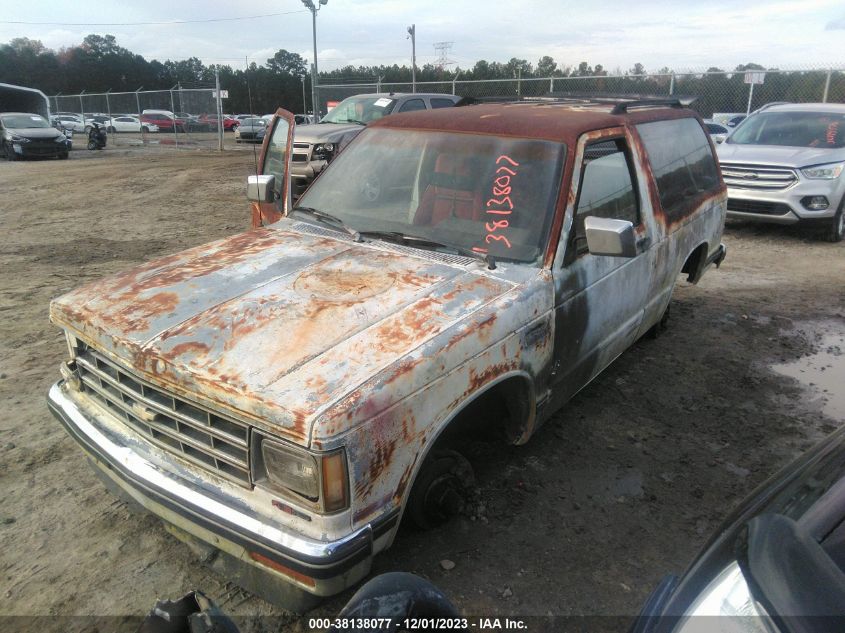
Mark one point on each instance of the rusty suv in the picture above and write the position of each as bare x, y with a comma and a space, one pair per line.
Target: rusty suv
283, 397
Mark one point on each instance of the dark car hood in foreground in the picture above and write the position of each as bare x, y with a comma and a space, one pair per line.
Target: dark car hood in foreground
273, 323
804, 491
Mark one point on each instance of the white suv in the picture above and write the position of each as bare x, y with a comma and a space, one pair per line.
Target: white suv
784, 165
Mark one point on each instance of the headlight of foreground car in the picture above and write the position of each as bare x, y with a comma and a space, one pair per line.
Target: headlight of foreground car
323, 151
824, 172
319, 480
19, 139
727, 596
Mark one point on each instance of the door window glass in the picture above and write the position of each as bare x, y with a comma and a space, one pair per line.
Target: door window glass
276, 161
607, 188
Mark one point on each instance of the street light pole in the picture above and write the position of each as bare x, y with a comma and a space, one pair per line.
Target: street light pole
412, 33
309, 4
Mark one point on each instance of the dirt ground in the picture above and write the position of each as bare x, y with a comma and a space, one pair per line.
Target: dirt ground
621, 487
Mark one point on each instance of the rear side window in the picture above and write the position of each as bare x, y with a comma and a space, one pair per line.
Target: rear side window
412, 105
681, 160
437, 102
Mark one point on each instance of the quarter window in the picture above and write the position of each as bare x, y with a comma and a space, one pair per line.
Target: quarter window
607, 188
681, 160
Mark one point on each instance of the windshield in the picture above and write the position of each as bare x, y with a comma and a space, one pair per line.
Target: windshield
258, 122
360, 110
792, 129
486, 194
18, 121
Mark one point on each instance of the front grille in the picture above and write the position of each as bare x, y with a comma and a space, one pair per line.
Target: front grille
43, 149
758, 206
758, 177
205, 439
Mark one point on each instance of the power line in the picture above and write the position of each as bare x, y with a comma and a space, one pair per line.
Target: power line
246, 17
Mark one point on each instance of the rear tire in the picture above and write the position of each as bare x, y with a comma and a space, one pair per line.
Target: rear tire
439, 489
836, 231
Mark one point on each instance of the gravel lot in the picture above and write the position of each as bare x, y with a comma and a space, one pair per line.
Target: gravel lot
621, 487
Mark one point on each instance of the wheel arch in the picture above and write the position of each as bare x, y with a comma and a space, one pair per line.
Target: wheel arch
515, 386
695, 262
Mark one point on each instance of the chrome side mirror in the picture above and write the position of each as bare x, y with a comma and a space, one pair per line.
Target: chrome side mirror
607, 236
261, 188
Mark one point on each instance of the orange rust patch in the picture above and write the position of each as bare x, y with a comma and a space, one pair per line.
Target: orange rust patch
186, 348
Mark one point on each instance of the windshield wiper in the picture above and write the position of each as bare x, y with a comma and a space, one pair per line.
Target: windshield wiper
415, 240
328, 218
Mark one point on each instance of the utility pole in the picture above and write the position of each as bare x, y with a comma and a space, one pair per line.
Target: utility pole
219, 108
309, 4
412, 34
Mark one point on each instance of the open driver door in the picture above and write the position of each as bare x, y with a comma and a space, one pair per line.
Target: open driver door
269, 191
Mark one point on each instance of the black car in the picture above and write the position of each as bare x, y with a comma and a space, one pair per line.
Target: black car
777, 564
24, 134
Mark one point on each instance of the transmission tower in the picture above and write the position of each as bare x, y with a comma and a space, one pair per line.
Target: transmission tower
442, 49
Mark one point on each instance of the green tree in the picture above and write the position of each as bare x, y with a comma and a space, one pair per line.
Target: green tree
285, 63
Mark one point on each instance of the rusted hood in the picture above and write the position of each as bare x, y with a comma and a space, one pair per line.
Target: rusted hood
272, 324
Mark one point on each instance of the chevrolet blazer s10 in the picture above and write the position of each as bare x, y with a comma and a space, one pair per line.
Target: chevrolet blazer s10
284, 397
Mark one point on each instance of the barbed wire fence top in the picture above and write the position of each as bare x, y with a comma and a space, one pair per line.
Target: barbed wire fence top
722, 91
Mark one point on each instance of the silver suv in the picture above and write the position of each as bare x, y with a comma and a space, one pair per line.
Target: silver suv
784, 165
314, 146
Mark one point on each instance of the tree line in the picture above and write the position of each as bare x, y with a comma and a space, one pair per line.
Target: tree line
100, 64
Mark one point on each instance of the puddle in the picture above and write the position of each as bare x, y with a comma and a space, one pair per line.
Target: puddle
824, 372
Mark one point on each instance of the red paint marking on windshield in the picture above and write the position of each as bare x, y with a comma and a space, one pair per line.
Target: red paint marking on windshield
500, 204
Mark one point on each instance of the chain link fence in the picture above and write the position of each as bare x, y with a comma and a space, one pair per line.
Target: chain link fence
142, 118
715, 92
197, 109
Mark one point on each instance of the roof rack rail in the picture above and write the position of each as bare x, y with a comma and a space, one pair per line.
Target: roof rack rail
623, 102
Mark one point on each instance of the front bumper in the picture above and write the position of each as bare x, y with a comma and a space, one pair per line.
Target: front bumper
784, 206
279, 565
36, 149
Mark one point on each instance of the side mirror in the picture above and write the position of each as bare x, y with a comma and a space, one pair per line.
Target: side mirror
261, 188
606, 236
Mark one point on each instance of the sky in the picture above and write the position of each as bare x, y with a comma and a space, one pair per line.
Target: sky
690, 35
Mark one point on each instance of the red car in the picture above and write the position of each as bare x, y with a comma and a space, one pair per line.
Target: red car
210, 121
164, 122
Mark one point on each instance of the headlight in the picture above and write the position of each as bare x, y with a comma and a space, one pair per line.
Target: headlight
823, 172
318, 479
323, 151
19, 139
727, 596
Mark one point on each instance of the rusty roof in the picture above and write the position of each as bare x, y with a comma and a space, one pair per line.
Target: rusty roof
548, 120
